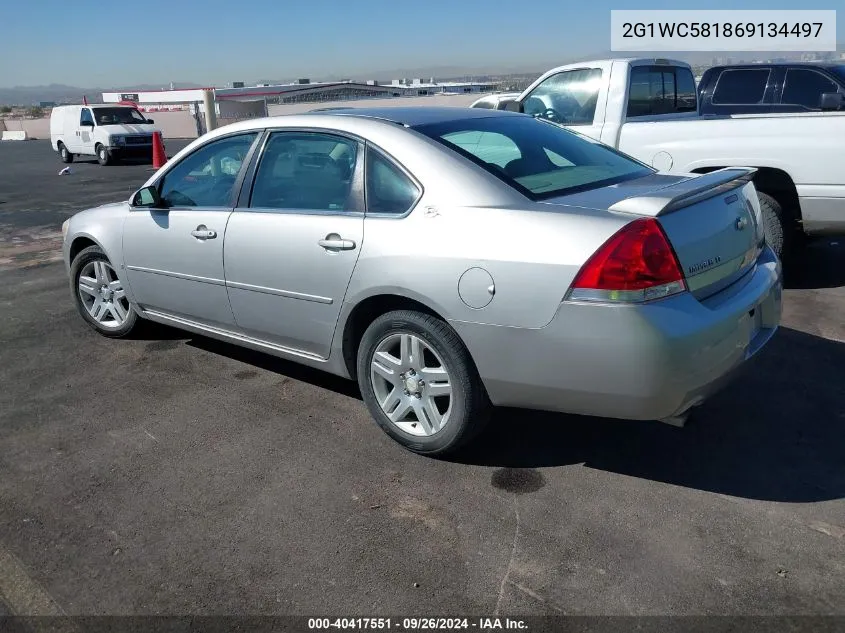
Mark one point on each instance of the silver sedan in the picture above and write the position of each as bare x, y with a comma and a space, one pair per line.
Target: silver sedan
448, 259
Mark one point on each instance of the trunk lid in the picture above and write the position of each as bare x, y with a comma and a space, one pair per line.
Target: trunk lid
712, 221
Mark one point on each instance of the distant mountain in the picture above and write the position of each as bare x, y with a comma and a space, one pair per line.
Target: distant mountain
59, 93
28, 95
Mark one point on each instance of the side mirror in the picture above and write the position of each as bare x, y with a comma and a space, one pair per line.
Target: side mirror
150, 121
87, 124
513, 106
832, 101
147, 198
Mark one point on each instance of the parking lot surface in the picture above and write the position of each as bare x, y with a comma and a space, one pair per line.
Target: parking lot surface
180, 475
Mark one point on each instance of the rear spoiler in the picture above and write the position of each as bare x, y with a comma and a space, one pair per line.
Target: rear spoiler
685, 193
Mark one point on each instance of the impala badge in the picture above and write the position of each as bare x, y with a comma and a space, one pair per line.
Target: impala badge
703, 265
741, 223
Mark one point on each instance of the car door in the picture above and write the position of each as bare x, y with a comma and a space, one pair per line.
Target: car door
803, 89
293, 242
174, 254
85, 132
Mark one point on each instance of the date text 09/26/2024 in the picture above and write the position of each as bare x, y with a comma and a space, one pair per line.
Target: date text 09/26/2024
416, 624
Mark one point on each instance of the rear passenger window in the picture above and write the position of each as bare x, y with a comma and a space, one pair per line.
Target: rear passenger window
660, 90
741, 87
805, 87
389, 190
309, 172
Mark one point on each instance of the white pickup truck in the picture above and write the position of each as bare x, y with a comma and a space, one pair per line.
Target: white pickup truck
648, 108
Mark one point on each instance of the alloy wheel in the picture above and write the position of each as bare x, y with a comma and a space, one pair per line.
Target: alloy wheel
412, 384
102, 294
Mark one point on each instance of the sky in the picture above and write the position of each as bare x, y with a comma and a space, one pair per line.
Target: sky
91, 43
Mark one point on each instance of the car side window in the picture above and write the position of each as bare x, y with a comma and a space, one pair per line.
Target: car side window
305, 171
569, 97
85, 117
741, 87
805, 87
206, 177
660, 90
389, 190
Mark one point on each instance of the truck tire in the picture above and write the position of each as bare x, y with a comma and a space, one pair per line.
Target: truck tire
773, 223
65, 155
103, 156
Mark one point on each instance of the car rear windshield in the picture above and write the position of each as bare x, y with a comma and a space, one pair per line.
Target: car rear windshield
538, 158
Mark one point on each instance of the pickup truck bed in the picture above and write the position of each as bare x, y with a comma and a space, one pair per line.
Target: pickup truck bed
648, 109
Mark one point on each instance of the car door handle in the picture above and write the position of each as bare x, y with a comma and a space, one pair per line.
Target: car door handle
203, 233
336, 243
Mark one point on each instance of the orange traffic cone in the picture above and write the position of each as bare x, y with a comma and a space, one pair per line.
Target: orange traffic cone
158, 151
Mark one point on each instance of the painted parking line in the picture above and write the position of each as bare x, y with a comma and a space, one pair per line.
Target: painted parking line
23, 595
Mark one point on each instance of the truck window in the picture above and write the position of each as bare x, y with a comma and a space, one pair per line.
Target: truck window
569, 97
660, 90
741, 86
85, 117
805, 87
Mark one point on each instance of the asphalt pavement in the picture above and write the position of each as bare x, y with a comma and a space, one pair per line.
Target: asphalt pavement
180, 475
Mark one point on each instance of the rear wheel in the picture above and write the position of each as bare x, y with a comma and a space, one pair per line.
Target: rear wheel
773, 222
103, 155
99, 294
65, 155
419, 382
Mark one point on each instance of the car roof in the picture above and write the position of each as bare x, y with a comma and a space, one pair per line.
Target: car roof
819, 64
416, 116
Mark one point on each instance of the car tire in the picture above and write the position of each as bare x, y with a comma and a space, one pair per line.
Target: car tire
103, 155
774, 223
89, 272
64, 154
463, 413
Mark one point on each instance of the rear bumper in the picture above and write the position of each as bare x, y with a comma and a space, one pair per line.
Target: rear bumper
643, 362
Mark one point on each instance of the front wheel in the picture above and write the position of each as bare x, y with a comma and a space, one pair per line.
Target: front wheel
103, 155
99, 294
65, 155
419, 382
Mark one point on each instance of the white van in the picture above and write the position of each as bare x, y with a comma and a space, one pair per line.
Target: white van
109, 132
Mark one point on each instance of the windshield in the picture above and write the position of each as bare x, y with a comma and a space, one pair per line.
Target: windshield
538, 158
110, 116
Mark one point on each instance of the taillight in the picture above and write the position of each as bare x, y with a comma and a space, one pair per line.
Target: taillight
637, 264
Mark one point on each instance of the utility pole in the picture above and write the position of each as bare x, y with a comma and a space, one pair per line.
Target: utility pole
210, 111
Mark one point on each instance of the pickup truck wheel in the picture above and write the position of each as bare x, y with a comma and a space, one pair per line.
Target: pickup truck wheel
103, 156
65, 155
773, 222
420, 384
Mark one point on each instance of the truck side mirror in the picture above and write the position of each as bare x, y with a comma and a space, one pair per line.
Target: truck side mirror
150, 121
832, 101
514, 106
